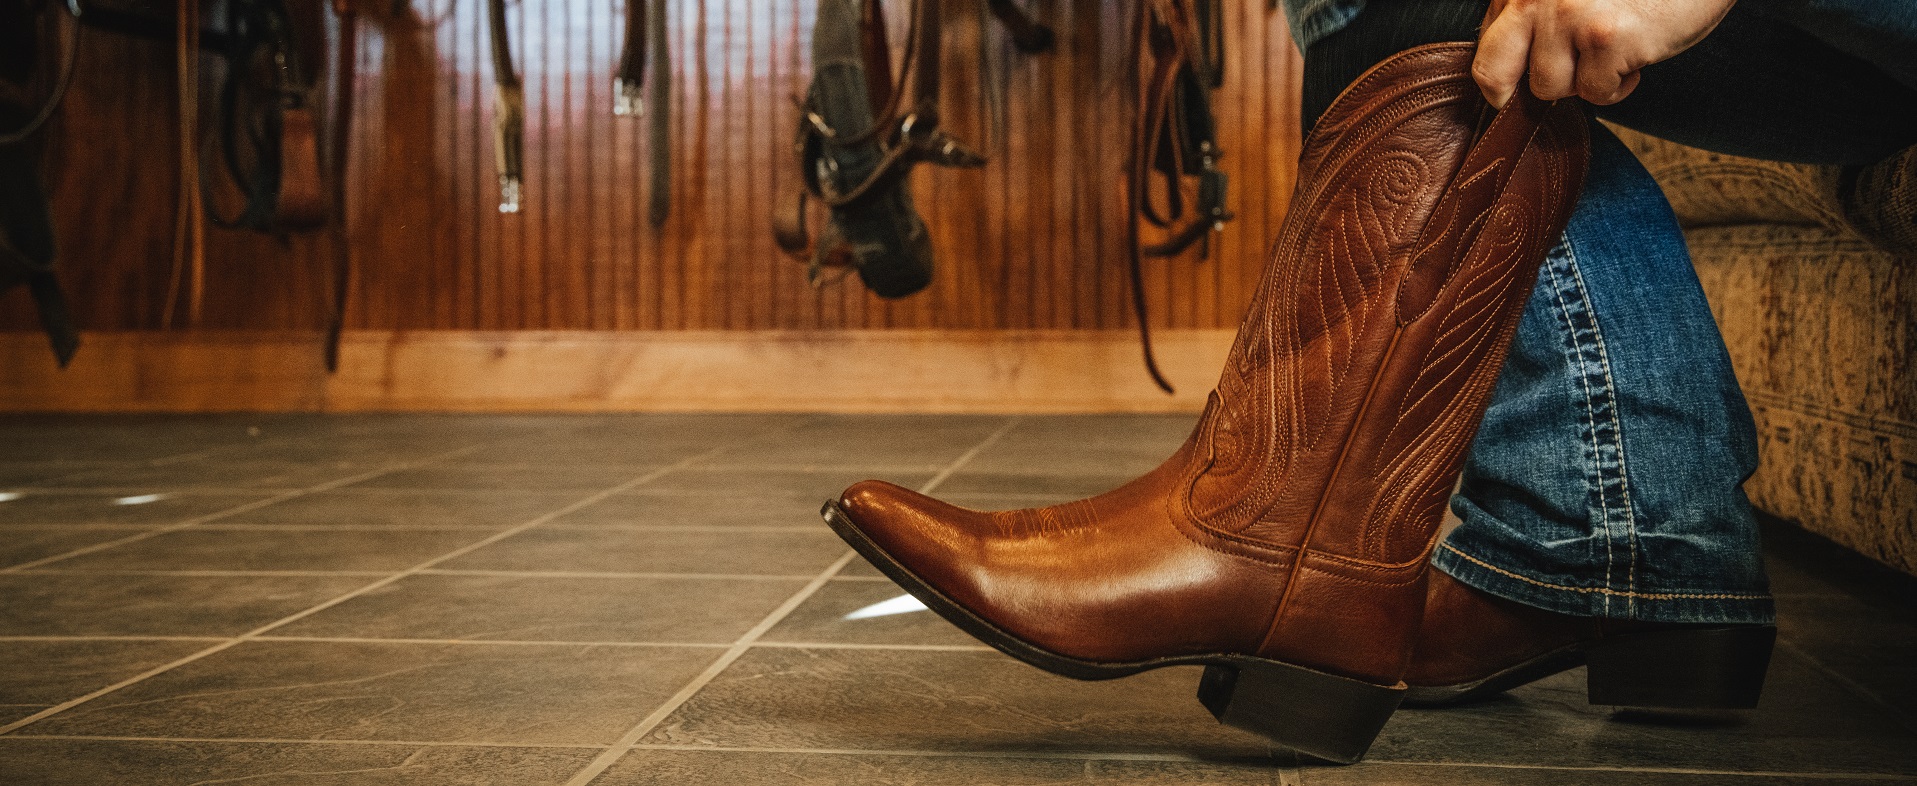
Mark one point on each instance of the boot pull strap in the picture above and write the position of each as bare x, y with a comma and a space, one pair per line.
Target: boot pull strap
1464, 211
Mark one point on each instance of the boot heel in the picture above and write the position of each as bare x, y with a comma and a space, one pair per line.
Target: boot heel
1710, 668
1323, 715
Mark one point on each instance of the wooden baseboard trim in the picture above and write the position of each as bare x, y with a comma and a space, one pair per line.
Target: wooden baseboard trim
461, 371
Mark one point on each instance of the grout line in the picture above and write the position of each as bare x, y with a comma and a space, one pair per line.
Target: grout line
779, 467
708, 645
254, 505
194, 455
567, 574
1095, 755
831, 645
208, 491
1856, 688
219, 527
529, 574
808, 645
966, 457
618, 750
223, 527
726, 528
280, 741
83, 637
1287, 776
211, 573
260, 631
1875, 776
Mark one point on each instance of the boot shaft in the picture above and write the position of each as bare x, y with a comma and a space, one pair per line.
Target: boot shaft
1368, 354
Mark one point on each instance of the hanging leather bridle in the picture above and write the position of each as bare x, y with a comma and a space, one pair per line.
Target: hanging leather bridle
861, 132
27, 253
1174, 138
268, 129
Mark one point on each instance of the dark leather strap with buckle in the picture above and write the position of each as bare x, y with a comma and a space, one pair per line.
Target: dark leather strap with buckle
861, 132
1174, 137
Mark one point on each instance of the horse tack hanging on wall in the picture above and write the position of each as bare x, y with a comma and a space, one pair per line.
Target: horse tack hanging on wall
27, 253
860, 133
1174, 136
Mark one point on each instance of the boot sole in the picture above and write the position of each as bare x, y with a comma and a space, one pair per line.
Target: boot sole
1718, 668
1325, 716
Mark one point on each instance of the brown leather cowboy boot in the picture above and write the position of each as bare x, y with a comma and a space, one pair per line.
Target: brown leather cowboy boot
1474, 645
1284, 546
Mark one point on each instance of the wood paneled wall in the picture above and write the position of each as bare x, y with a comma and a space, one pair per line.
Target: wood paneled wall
1032, 241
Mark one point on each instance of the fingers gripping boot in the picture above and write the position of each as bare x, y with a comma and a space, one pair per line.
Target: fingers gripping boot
1284, 545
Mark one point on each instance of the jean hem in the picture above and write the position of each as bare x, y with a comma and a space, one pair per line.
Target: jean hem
1691, 606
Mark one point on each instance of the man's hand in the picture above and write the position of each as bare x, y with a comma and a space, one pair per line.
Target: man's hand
1588, 48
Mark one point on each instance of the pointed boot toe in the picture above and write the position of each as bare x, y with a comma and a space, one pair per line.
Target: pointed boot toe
1284, 547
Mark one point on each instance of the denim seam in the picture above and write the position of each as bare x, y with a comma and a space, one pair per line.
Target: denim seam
1617, 429
1584, 350
1605, 591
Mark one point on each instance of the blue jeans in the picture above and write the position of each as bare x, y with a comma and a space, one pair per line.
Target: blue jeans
1607, 477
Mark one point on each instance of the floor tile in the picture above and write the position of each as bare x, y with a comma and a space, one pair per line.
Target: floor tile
977, 702
1369, 774
655, 510
369, 451
1870, 643
358, 507
823, 618
820, 484
497, 693
63, 508
52, 604
279, 549
218, 473
47, 672
20, 545
1128, 445
505, 478
143, 763
14, 474
750, 768
13, 712
508, 608
585, 452
988, 500
657, 551
1067, 486
927, 441
1804, 724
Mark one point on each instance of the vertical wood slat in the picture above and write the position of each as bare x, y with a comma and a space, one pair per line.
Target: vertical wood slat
1034, 241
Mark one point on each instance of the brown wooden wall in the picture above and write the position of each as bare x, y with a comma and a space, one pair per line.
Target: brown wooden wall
1032, 241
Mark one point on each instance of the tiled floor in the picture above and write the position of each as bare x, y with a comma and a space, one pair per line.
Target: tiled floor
653, 600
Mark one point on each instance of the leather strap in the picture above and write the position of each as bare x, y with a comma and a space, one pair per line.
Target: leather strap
1028, 35
509, 122
659, 121
345, 79
1173, 134
629, 82
61, 82
301, 202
